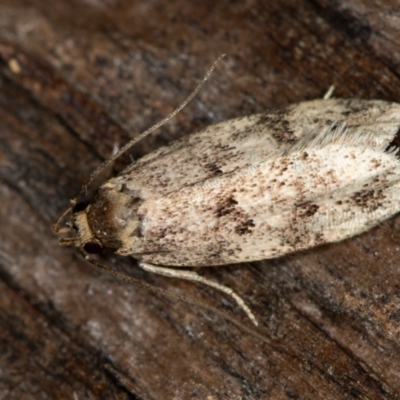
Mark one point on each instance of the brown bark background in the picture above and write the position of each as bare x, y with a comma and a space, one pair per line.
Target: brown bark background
78, 77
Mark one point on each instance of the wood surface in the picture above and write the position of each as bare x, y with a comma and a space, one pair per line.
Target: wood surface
79, 77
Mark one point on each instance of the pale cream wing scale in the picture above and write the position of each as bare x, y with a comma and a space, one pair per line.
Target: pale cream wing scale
234, 144
257, 187
276, 207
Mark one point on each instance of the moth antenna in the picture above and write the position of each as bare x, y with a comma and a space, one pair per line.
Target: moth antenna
171, 295
128, 145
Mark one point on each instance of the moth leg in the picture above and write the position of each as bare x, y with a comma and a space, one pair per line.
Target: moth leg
329, 93
194, 277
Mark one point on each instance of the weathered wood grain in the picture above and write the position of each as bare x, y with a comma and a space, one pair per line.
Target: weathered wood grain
78, 77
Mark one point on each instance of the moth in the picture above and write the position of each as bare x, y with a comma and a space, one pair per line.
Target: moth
247, 189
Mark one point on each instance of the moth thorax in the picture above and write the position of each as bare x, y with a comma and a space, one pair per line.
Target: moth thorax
112, 217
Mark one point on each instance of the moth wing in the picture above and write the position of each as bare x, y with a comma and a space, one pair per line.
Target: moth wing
377, 118
325, 188
238, 143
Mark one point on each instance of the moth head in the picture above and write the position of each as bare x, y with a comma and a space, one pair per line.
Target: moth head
84, 235
109, 221
77, 231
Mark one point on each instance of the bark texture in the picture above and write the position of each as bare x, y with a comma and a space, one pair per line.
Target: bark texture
78, 77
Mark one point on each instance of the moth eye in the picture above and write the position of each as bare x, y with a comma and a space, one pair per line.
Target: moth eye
80, 206
93, 247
